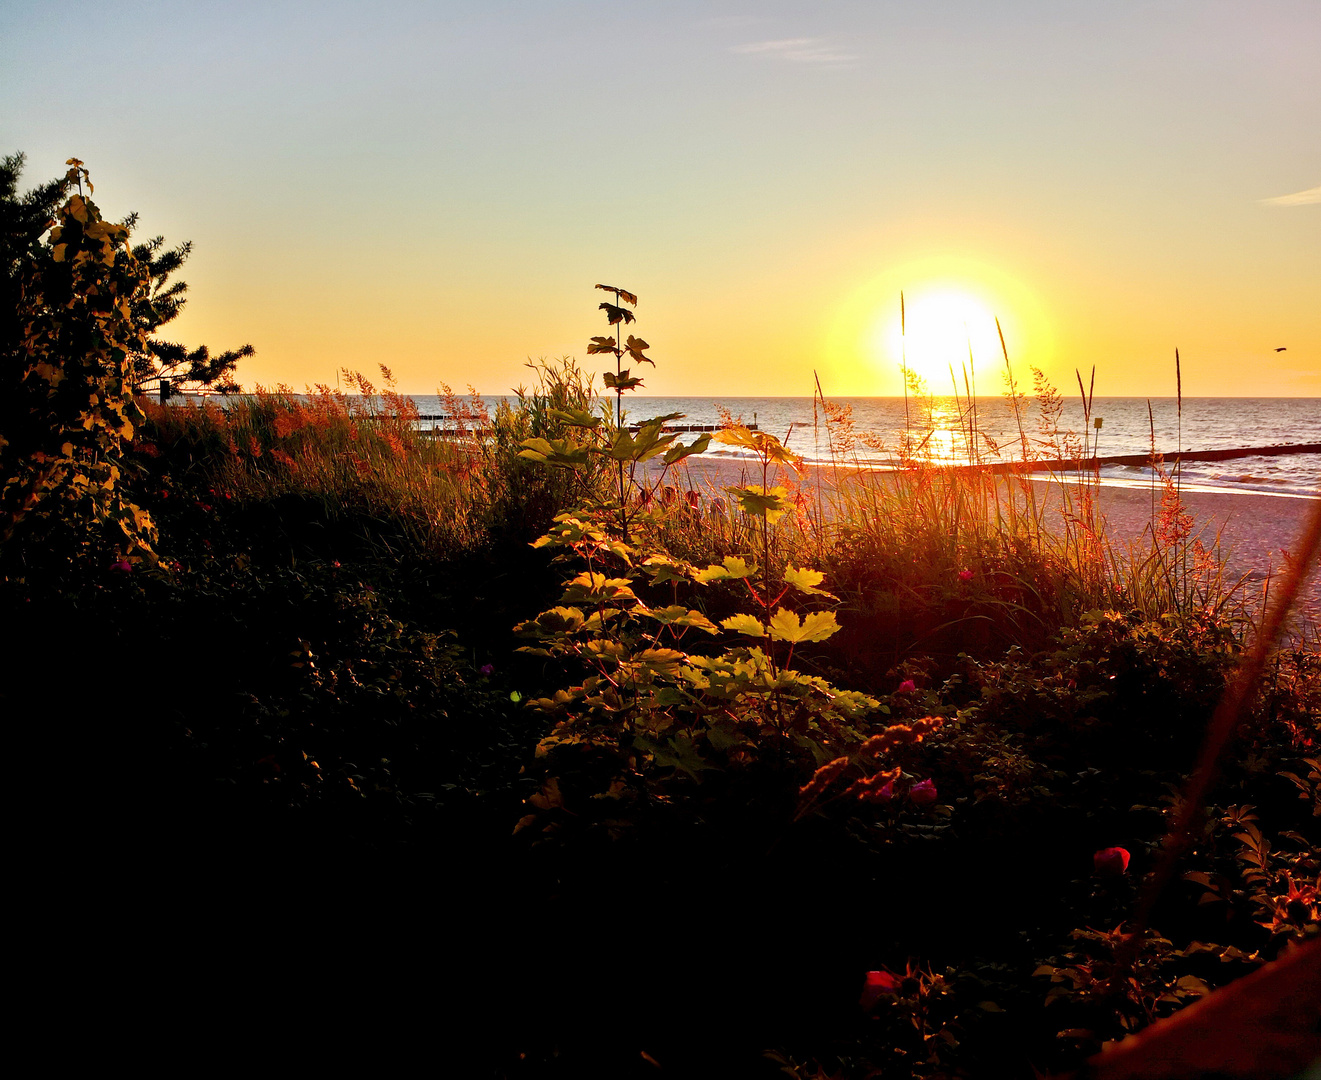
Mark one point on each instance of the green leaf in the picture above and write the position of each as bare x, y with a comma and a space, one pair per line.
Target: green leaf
757, 500
666, 660
732, 569
678, 615
646, 444
568, 530
556, 621
737, 436
679, 451
560, 453
623, 448
760, 442
664, 569
576, 417
725, 736
745, 624
605, 649
679, 753
593, 588
806, 581
817, 626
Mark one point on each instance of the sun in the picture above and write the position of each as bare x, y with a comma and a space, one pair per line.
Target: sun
943, 334
950, 306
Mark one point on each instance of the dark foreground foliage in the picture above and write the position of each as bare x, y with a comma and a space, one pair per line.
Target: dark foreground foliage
294, 780
308, 762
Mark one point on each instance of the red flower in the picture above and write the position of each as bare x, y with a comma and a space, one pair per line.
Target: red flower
486, 669
875, 985
1110, 862
965, 575
122, 567
923, 793
906, 687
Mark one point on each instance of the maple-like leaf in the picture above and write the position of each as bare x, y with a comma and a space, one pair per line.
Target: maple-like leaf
576, 417
678, 615
664, 569
745, 624
621, 381
806, 581
817, 626
732, 569
636, 347
623, 294
679, 451
755, 499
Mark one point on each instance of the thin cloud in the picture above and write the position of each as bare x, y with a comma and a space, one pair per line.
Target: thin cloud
815, 51
1298, 198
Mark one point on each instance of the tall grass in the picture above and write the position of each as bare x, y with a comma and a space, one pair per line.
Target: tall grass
1034, 543
925, 556
931, 556
361, 455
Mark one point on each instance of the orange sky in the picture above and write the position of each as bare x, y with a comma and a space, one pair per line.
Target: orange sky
438, 187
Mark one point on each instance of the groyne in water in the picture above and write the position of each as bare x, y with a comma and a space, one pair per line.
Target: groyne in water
1078, 464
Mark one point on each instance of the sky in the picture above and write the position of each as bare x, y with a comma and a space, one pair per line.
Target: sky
438, 186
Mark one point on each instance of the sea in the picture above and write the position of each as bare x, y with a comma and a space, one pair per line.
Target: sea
1126, 426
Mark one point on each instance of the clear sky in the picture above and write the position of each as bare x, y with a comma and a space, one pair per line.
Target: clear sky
438, 186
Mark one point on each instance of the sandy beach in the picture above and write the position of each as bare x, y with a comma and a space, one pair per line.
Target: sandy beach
1254, 529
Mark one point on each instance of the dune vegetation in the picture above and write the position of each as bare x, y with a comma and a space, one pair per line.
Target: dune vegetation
875, 778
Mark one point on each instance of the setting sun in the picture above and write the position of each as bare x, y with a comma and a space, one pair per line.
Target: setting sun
820, 463
951, 302
938, 331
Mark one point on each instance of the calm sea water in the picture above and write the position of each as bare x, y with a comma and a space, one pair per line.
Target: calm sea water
1206, 424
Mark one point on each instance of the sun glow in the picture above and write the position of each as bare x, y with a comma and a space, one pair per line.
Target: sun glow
951, 305
941, 333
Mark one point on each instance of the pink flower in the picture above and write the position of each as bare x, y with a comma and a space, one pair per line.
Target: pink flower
876, 984
886, 793
1111, 862
486, 669
122, 567
923, 793
906, 687
965, 575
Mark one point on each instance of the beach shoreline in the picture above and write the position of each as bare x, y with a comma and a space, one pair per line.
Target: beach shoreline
1252, 530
